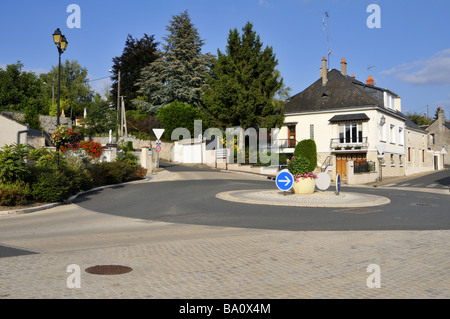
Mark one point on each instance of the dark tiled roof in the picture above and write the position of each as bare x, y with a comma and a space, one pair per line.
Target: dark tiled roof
340, 92
447, 124
411, 125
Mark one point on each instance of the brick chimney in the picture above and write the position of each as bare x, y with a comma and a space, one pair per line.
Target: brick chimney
344, 67
324, 72
398, 104
370, 81
441, 119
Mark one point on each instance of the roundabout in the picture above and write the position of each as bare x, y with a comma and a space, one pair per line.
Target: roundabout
318, 199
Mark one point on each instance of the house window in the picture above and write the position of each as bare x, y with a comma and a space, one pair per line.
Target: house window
350, 133
423, 156
392, 134
409, 154
291, 136
311, 131
432, 139
383, 133
401, 136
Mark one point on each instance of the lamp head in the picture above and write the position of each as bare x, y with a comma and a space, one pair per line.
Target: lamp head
57, 36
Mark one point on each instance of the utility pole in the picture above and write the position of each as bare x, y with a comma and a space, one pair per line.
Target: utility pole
118, 102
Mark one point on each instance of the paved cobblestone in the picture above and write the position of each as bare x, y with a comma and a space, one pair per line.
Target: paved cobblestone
250, 264
318, 199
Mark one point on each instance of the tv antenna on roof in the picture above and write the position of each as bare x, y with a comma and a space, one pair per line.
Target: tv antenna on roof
370, 67
325, 25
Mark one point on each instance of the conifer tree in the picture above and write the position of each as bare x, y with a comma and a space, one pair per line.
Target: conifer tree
243, 84
180, 71
137, 54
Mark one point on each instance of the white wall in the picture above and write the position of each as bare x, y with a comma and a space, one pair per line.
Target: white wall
9, 130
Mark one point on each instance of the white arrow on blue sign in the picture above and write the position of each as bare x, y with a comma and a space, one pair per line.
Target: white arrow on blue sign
284, 180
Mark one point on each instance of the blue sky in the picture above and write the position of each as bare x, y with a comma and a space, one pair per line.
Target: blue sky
409, 54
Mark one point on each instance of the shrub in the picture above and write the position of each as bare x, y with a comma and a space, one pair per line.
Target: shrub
139, 173
52, 186
111, 173
13, 166
15, 194
298, 165
308, 150
178, 114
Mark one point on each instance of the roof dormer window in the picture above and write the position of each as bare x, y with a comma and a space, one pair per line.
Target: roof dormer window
389, 101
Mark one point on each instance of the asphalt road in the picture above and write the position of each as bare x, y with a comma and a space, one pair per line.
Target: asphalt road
193, 201
437, 180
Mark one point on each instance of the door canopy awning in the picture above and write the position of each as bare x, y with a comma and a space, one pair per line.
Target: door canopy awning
345, 118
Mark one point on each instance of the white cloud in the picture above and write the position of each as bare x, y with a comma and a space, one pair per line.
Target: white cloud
264, 3
434, 70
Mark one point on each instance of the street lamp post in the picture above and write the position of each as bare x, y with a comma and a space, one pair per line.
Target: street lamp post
61, 44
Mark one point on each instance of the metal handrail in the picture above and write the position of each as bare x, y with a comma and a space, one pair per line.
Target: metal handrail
336, 142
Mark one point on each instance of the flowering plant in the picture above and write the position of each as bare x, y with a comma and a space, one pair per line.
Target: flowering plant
66, 139
298, 167
93, 149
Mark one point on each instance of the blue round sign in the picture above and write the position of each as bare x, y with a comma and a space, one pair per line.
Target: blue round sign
284, 180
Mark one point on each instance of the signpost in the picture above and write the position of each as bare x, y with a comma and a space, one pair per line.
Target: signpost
158, 133
338, 184
284, 181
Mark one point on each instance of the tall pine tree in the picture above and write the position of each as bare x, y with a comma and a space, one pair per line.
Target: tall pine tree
137, 54
181, 70
243, 84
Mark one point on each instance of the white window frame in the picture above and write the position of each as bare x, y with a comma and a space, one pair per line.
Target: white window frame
383, 132
401, 136
392, 133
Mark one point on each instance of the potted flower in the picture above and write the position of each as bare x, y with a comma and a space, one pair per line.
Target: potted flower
304, 180
348, 147
65, 138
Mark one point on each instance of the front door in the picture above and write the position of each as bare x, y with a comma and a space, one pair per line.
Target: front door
341, 162
341, 166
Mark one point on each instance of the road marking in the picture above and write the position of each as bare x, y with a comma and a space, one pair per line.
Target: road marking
390, 185
432, 185
405, 184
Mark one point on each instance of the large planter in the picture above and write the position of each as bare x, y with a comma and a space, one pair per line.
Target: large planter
304, 186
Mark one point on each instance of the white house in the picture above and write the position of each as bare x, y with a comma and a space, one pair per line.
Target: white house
350, 121
12, 131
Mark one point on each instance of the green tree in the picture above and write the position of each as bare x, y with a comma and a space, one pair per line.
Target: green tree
18, 89
179, 73
137, 54
419, 119
243, 84
100, 117
178, 114
75, 92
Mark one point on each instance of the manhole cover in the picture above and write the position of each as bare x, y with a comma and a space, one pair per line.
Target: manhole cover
108, 270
